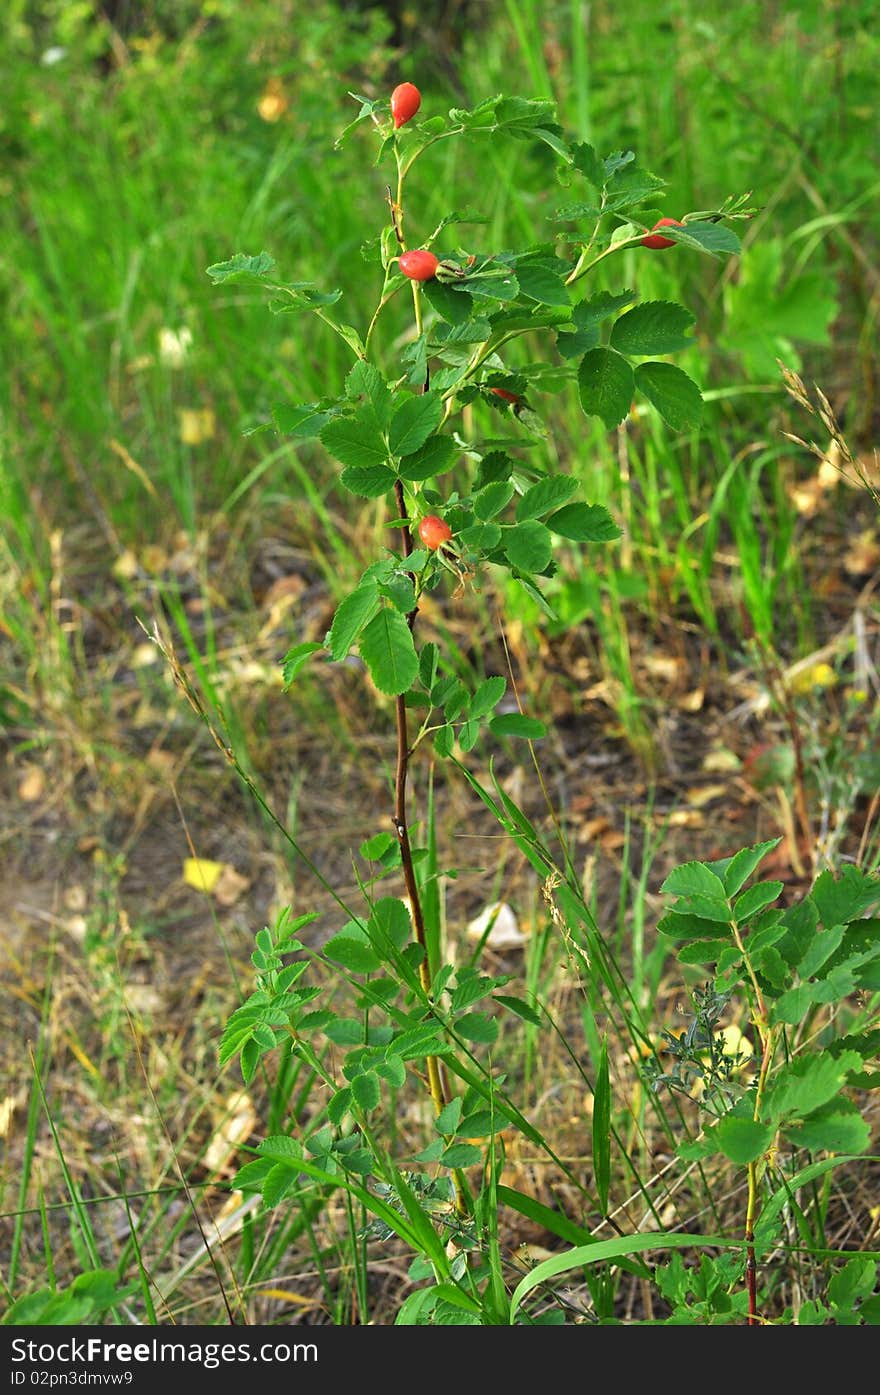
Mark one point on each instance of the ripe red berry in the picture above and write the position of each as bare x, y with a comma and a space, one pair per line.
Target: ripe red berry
405, 102
508, 396
434, 531
658, 242
419, 266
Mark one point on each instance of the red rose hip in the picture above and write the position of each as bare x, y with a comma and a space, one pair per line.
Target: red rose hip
508, 396
405, 102
434, 531
419, 265
657, 242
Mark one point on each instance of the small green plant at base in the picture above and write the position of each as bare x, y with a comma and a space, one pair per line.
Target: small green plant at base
478, 506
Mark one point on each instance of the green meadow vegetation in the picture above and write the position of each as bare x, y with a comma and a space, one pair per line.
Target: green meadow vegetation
409, 928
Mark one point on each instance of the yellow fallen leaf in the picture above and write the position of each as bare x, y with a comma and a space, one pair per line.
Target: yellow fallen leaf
705, 794
7, 1109
238, 1123
720, 760
201, 873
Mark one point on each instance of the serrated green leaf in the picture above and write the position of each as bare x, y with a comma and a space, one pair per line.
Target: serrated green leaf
820, 950
757, 897
837, 1127
433, 457
393, 1070
477, 1027
365, 383
491, 500
455, 306
541, 281
606, 386
493, 467
448, 1118
528, 546
743, 1140
543, 497
369, 482
242, 267
345, 1031
356, 441
352, 614
387, 649
693, 879
460, 1155
843, 900
352, 953
390, 922
366, 1090
414, 421
654, 327
743, 863
584, 523
401, 592
675, 395
808, 1083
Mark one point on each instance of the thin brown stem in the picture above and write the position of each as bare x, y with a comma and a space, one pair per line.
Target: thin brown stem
437, 1082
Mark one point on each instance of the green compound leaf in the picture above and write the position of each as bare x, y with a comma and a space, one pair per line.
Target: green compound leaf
584, 523
528, 546
351, 616
606, 385
655, 327
675, 395
389, 653
546, 495
414, 421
